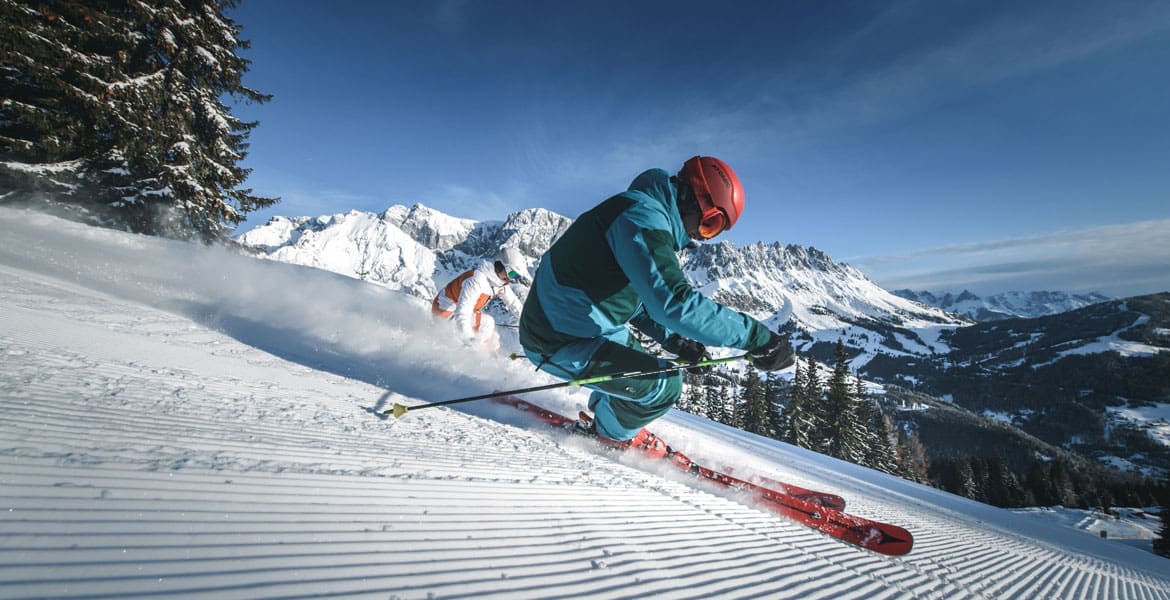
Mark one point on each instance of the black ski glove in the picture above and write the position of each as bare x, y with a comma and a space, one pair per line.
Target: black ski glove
775, 355
688, 351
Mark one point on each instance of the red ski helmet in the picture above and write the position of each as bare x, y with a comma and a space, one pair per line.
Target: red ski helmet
718, 192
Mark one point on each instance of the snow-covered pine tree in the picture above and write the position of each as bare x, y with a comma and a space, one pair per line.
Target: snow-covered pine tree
801, 422
958, 477
794, 407
1003, 487
42, 100
127, 95
698, 394
911, 457
881, 442
718, 407
846, 432
755, 405
813, 419
775, 390
733, 407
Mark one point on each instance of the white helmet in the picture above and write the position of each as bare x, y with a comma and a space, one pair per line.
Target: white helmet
513, 264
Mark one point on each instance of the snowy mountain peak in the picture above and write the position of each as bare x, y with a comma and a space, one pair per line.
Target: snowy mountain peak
429, 227
806, 292
533, 230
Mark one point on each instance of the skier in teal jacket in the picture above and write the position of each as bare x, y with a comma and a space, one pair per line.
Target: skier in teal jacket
617, 264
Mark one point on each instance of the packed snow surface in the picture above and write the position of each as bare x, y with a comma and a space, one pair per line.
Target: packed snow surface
182, 421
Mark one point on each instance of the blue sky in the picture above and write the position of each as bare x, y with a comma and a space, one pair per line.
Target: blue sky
933, 144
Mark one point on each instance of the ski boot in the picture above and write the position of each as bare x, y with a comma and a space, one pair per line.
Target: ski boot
645, 442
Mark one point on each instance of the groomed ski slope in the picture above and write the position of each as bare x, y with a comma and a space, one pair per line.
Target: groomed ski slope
179, 421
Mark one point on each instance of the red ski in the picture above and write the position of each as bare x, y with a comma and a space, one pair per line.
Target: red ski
821, 498
807, 507
825, 499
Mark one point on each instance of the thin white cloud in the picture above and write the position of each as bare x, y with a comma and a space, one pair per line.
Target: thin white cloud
468, 203
311, 203
304, 201
1118, 260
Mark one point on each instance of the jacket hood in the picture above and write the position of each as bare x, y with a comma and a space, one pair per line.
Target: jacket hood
487, 268
656, 185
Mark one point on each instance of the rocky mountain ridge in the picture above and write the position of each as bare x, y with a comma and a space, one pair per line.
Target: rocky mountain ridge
1006, 305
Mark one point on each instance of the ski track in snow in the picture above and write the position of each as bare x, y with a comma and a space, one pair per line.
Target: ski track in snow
143, 454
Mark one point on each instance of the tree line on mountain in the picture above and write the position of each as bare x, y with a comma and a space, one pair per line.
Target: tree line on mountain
1022, 370
112, 113
833, 415
1066, 404
1047, 483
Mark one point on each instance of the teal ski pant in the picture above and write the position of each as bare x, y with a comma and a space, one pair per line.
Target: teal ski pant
621, 407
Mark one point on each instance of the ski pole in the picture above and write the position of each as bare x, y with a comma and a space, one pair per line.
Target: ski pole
401, 409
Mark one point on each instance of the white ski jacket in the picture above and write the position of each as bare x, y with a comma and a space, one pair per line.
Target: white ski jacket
464, 298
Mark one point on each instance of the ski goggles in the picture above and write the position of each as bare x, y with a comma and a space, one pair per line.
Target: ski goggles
712, 224
514, 277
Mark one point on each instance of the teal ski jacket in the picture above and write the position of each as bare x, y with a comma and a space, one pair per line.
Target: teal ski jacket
618, 264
